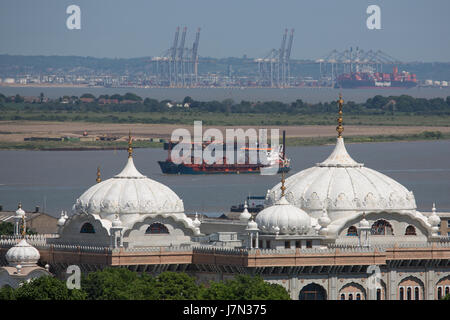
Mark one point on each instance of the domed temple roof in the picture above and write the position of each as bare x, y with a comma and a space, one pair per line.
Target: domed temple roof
283, 218
340, 184
22, 254
129, 194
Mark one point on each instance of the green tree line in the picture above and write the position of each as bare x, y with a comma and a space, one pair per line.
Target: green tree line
378, 105
123, 284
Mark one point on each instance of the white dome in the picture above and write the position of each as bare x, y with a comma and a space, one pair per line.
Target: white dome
342, 185
22, 254
252, 226
284, 218
19, 212
245, 215
129, 194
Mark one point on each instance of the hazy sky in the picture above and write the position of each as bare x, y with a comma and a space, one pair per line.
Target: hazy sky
412, 30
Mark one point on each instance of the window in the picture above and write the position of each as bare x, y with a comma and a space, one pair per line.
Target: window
382, 227
416, 293
87, 228
157, 228
260, 243
268, 244
352, 231
448, 223
342, 296
447, 290
409, 294
358, 296
298, 244
439, 293
410, 231
350, 296
402, 293
378, 294
308, 244
287, 244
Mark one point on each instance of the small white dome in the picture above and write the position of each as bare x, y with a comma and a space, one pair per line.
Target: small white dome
22, 254
434, 219
364, 223
62, 219
130, 194
283, 218
116, 222
252, 226
19, 212
324, 219
245, 215
196, 222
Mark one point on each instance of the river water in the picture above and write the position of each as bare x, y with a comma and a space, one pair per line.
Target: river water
53, 180
311, 95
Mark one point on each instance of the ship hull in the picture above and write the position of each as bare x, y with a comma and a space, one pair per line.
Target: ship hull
168, 167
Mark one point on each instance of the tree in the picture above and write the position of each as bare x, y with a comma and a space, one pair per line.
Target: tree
446, 297
47, 288
117, 284
88, 95
245, 288
7, 293
7, 229
176, 286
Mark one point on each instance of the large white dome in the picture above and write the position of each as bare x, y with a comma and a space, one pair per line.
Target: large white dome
129, 194
342, 185
283, 218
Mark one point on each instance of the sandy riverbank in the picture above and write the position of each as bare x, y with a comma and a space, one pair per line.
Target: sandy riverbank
16, 131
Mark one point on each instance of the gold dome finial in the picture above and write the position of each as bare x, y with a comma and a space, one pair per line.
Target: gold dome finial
98, 175
23, 227
130, 148
283, 187
340, 128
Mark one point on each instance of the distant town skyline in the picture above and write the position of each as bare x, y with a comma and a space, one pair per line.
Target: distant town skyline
411, 30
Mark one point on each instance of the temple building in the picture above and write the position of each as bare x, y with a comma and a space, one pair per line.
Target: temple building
337, 231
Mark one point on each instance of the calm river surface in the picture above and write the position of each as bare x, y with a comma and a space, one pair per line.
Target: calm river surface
53, 180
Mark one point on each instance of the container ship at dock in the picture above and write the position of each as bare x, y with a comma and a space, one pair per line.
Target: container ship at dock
275, 161
359, 80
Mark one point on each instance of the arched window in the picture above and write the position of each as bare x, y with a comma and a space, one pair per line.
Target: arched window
410, 231
313, 291
157, 228
402, 293
409, 294
342, 296
87, 228
352, 231
416, 293
350, 296
439, 293
447, 290
382, 227
378, 294
358, 296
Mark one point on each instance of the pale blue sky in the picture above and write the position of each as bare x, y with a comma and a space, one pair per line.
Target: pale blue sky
412, 30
